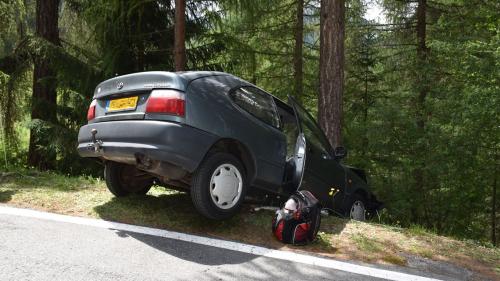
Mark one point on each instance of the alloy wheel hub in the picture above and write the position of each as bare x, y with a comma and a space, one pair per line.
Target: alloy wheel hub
358, 211
226, 185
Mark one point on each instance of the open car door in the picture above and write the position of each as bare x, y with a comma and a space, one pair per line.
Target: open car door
316, 168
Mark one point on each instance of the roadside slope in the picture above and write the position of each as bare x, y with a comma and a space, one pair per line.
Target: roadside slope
340, 239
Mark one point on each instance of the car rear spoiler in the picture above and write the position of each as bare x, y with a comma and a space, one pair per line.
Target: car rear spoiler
142, 81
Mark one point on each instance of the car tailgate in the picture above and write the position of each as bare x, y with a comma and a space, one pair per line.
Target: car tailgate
125, 97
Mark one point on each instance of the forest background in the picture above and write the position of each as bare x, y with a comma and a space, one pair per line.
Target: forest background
419, 87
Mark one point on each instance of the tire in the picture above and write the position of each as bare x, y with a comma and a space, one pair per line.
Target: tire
123, 180
221, 170
356, 209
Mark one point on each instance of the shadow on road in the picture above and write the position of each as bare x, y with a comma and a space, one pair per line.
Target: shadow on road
200, 254
175, 212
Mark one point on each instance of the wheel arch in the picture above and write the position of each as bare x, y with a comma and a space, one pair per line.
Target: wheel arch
346, 205
240, 151
363, 193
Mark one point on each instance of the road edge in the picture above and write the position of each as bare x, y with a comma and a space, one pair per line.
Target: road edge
219, 243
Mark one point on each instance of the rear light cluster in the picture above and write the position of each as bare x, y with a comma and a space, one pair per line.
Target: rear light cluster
159, 102
166, 102
91, 111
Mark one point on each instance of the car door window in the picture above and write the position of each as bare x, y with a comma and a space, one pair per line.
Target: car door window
312, 132
257, 103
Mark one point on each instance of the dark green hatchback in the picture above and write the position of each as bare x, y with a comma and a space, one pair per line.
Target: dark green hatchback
219, 138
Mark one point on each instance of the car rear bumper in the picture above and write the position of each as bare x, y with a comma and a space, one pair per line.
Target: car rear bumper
129, 140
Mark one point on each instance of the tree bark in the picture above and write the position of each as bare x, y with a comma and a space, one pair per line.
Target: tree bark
180, 35
44, 98
297, 58
422, 89
494, 204
253, 68
422, 52
365, 140
331, 79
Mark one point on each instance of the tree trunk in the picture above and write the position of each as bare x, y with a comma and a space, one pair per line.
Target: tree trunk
140, 56
297, 58
423, 89
365, 140
331, 69
253, 67
494, 204
422, 52
44, 99
180, 35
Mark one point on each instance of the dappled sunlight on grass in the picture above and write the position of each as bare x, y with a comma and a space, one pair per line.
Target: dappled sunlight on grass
367, 245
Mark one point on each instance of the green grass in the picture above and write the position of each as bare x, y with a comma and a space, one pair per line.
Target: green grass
417, 230
367, 245
167, 209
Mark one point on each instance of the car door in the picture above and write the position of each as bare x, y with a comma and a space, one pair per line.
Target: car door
258, 128
320, 172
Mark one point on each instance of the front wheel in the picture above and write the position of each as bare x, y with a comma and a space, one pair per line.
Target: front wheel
357, 208
123, 180
219, 186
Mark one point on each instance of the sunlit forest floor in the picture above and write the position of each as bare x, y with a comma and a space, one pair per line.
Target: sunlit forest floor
162, 208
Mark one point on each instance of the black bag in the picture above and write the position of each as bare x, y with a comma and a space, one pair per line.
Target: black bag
299, 220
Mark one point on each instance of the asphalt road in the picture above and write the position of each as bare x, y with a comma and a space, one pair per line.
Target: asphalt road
37, 249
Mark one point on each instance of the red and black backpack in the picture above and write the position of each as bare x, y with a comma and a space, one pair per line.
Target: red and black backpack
298, 225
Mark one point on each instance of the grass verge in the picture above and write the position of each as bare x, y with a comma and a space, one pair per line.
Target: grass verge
162, 208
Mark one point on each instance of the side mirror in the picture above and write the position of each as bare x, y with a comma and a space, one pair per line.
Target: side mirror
340, 152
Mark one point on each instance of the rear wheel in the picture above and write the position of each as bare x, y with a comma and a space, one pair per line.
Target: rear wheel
123, 180
219, 186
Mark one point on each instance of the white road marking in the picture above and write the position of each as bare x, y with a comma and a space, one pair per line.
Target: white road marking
223, 244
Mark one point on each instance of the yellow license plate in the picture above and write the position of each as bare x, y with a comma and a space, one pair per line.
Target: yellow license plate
122, 104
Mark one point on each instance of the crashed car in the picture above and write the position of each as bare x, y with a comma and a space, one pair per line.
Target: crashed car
217, 137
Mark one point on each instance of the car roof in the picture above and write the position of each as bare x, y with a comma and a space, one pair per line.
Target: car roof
179, 79
189, 76
193, 75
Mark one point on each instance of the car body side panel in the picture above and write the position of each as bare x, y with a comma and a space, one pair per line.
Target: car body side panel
209, 108
356, 184
325, 178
